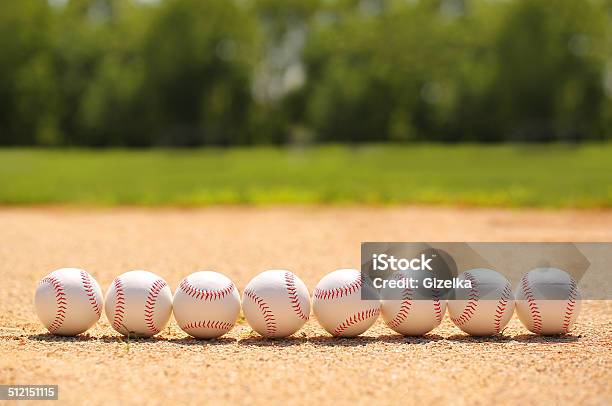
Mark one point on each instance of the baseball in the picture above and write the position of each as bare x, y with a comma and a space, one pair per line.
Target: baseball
412, 311
206, 304
486, 307
548, 301
338, 306
68, 301
276, 303
138, 303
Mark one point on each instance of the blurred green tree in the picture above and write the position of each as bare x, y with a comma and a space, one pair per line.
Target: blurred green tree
187, 72
198, 60
29, 99
547, 64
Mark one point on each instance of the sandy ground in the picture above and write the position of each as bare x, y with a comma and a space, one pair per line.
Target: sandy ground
445, 366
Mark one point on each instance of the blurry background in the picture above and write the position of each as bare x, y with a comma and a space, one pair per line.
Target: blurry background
388, 77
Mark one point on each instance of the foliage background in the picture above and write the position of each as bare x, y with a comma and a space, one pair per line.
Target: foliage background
243, 72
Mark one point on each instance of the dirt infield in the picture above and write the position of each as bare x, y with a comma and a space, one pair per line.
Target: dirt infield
445, 366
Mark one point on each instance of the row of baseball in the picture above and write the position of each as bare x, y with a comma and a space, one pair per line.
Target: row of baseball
276, 303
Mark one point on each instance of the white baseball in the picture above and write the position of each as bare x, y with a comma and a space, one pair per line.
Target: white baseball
412, 311
276, 303
68, 301
338, 306
487, 307
548, 301
138, 303
206, 304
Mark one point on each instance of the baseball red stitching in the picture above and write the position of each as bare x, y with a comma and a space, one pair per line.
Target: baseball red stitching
569, 308
436, 304
210, 324
265, 311
61, 301
404, 309
470, 307
338, 292
119, 304
354, 319
292, 291
87, 285
501, 306
533, 305
157, 286
205, 294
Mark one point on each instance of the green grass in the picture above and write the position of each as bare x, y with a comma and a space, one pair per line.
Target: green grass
508, 175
